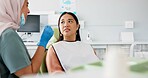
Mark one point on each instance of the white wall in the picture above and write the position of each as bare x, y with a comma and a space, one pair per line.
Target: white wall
44, 5
104, 19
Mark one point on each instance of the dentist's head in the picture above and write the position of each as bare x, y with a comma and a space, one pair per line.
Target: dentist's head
24, 13
13, 13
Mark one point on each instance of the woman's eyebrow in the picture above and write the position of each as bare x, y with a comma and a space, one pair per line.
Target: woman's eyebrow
70, 19
62, 19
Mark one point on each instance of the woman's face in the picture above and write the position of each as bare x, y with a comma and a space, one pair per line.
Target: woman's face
68, 26
25, 9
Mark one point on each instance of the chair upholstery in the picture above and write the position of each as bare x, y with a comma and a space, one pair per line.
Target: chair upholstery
43, 68
55, 37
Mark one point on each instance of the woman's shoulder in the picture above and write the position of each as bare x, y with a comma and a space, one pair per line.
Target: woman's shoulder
71, 43
10, 36
9, 32
83, 43
57, 43
76, 42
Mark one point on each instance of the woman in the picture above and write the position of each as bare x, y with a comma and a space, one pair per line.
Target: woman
14, 58
69, 51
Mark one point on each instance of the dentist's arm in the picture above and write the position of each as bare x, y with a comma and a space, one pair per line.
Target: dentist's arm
39, 55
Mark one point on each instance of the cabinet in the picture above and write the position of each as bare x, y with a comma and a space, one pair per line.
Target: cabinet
102, 47
31, 46
129, 48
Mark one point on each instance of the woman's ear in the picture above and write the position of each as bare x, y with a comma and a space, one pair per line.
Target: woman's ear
78, 26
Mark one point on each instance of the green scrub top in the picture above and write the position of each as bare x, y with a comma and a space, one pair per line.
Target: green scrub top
13, 54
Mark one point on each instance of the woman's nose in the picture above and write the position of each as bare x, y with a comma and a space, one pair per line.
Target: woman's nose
66, 24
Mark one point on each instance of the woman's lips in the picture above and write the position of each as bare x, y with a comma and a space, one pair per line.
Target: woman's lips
66, 29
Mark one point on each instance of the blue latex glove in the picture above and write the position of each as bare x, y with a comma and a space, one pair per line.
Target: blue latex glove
46, 35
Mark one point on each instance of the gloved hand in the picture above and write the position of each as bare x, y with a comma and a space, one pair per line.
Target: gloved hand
46, 35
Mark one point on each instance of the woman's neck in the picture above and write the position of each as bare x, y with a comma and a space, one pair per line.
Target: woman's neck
72, 38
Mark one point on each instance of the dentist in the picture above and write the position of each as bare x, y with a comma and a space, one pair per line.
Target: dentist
14, 58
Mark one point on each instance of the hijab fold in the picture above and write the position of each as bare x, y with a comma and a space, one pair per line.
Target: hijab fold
10, 14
